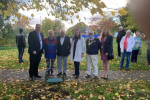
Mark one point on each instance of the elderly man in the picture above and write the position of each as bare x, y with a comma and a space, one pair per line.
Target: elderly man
121, 33
63, 50
35, 41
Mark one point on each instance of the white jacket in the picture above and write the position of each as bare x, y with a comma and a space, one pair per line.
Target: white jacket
130, 44
80, 48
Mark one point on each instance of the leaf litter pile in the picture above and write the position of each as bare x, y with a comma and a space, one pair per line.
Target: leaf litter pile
76, 90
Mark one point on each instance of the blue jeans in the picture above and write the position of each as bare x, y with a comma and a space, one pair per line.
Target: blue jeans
148, 57
21, 51
127, 59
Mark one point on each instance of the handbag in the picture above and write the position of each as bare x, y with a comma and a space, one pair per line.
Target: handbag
139, 51
110, 56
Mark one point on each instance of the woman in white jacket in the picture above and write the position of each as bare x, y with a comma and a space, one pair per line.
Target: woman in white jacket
77, 51
126, 45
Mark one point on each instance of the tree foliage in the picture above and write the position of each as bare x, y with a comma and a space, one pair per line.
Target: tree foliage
62, 9
48, 24
128, 22
81, 26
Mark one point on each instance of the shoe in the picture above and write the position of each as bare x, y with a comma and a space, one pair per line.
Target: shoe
38, 76
73, 74
106, 77
120, 67
31, 79
87, 76
48, 73
59, 74
77, 76
20, 61
95, 77
52, 74
127, 69
117, 56
64, 74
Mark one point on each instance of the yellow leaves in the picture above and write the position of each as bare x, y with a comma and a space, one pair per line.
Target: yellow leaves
77, 16
100, 97
72, 13
93, 11
100, 11
13, 20
122, 12
65, 1
113, 13
24, 17
103, 19
63, 12
91, 95
43, 98
1, 5
103, 5
32, 15
81, 24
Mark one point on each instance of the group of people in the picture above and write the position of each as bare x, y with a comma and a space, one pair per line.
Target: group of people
60, 47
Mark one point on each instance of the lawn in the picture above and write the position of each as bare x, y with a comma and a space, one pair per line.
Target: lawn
9, 60
78, 90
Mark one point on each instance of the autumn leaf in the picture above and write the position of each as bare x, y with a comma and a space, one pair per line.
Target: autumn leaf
113, 13
32, 15
77, 16
103, 5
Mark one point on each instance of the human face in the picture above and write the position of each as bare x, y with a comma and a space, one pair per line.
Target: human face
138, 34
51, 34
62, 33
91, 34
38, 28
128, 34
105, 31
120, 29
76, 32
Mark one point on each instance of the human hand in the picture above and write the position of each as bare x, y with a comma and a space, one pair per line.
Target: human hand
34, 52
82, 55
106, 54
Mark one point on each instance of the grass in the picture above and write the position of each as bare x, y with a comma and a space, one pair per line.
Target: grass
9, 60
85, 90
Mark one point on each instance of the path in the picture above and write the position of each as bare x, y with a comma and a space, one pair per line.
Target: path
22, 75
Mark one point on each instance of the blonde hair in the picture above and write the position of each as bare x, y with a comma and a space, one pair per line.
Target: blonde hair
51, 31
108, 32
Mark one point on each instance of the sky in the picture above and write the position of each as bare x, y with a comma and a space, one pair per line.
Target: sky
39, 16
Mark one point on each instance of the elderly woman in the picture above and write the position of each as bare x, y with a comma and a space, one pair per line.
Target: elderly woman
92, 47
138, 44
50, 46
77, 51
127, 43
106, 48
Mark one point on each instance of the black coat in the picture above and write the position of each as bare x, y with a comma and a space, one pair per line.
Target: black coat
120, 35
64, 49
108, 45
34, 43
20, 40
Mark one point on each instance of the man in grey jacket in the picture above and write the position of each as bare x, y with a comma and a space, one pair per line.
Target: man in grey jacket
21, 44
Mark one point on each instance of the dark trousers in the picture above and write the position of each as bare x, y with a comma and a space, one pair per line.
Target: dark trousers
34, 63
76, 65
148, 57
21, 51
119, 51
134, 56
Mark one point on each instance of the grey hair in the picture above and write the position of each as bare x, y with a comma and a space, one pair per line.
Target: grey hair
91, 31
121, 27
62, 29
50, 31
128, 31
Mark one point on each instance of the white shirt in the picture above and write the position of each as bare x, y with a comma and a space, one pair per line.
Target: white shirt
62, 40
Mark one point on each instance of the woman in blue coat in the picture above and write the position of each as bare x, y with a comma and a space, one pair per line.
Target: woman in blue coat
50, 47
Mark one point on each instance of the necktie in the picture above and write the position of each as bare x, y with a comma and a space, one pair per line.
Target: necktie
40, 40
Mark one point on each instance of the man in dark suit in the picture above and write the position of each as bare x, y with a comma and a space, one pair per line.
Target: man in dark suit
63, 51
121, 33
35, 41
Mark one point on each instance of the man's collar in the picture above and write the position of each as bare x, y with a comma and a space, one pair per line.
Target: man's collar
91, 38
63, 36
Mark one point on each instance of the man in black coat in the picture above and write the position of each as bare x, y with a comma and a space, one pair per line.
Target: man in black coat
121, 33
21, 44
35, 50
63, 50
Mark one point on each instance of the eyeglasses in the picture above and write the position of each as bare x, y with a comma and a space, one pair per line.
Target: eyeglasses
90, 33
